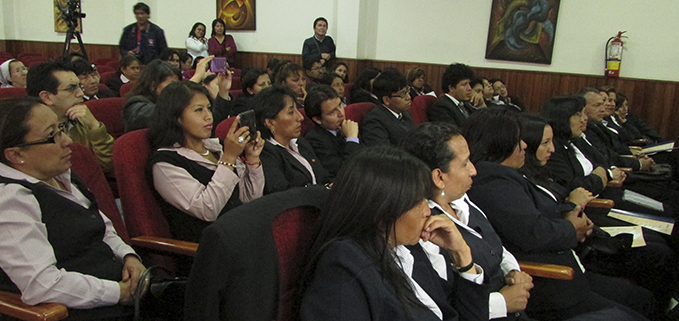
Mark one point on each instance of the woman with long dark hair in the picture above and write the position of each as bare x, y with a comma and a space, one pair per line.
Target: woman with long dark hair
376, 249
534, 227
197, 177
196, 43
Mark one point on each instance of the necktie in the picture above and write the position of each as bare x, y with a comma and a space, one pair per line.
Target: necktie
463, 110
400, 117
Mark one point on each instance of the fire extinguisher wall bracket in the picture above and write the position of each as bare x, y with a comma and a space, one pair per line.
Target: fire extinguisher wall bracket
614, 47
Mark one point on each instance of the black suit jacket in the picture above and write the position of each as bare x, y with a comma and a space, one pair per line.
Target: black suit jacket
380, 127
601, 141
332, 151
282, 171
445, 110
565, 169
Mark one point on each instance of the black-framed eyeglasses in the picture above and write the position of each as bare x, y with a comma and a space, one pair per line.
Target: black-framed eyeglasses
73, 88
402, 94
51, 139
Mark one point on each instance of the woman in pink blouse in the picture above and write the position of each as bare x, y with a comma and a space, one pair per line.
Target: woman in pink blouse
221, 44
197, 177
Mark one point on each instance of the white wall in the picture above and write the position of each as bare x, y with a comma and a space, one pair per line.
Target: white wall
435, 31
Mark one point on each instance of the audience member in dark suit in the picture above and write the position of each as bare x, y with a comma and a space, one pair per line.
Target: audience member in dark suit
362, 90
501, 94
378, 254
632, 120
320, 46
451, 107
314, 72
389, 121
334, 138
89, 80
288, 159
533, 227
452, 173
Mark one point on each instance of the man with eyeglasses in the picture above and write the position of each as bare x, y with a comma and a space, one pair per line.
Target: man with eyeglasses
59, 88
89, 80
453, 107
389, 121
314, 72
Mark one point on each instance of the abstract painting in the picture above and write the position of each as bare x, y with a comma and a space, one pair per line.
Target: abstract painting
522, 30
237, 14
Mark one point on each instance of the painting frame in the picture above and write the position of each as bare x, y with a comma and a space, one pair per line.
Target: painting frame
238, 14
522, 30
59, 23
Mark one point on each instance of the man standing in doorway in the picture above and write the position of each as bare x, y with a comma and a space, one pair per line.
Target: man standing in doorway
142, 39
319, 46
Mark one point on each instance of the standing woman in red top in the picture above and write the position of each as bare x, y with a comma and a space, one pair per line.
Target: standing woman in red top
221, 44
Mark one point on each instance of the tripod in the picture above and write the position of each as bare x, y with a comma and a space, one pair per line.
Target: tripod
70, 35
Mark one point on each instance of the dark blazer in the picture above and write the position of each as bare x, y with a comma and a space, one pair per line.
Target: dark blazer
348, 285
331, 150
565, 169
235, 272
643, 128
380, 127
445, 110
114, 84
282, 171
530, 225
601, 141
362, 96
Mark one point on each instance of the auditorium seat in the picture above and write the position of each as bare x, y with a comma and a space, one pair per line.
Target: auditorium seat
419, 106
110, 112
12, 92
106, 76
357, 111
307, 123
223, 128
125, 88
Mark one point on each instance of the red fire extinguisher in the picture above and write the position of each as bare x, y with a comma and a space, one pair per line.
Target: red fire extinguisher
614, 55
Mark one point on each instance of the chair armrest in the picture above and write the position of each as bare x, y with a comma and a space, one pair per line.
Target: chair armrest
551, 271
614, 183
625, 169
599, 202
11, 305
166, 245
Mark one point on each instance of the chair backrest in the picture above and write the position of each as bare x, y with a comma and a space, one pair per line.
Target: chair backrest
419, 107
357, 111
104, 68
293, 235
235, 83
307, 123
12, 92
110, 112
347, 91
85, 165
106, 76
235, 93
143, 215
114, 64
102, 61
223, 127
125, 88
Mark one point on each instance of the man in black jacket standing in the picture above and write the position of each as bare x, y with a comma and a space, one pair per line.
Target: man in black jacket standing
142, 39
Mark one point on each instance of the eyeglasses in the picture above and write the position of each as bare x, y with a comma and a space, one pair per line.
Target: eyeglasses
73, 88
51, 139
402, 94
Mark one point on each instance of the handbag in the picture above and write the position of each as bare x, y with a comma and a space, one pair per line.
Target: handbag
159, 297
605, 254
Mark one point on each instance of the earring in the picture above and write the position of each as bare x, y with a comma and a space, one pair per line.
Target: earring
273, 132
21, 162
443, 193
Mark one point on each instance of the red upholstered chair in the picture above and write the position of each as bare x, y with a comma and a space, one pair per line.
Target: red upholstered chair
85, 165
23, 55
419, 106
145, 222
102, 61
236, 72
357, 111
235, 93
106, 76
110, 112
12, 92
347, 91
125, 88
104, 68
307, 123
223, 127
235, 84
251, 258
114, 64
